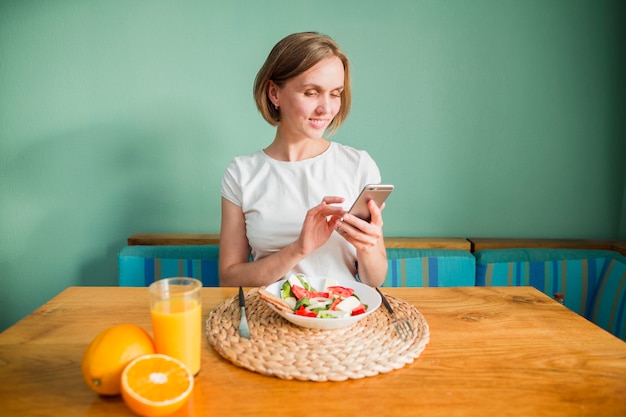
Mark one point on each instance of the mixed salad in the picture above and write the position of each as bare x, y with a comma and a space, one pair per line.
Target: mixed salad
334, 301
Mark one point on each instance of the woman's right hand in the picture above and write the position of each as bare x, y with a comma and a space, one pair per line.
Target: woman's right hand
319, 224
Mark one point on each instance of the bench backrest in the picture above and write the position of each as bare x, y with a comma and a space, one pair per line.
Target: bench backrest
608, 308
574, 273
407, 267
429, 268
141, 265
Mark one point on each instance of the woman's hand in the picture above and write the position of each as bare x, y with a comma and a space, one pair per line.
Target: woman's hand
320, 222
361, 234
369, 242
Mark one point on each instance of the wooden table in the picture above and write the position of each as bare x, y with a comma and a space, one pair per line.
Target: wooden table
493, 351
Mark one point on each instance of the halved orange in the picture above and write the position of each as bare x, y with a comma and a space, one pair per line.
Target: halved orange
156, 385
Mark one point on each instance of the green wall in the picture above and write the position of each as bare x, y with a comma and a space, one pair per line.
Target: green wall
492, 118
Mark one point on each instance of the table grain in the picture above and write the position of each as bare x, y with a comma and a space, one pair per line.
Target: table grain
506, 350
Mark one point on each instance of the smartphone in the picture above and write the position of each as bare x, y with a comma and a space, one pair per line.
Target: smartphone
376, 192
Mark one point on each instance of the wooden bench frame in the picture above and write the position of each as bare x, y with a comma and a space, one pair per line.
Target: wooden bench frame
469, 244
506, 243
151, 239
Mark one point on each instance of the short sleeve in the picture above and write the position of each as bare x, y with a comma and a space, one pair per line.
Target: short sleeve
369, 170
231, 184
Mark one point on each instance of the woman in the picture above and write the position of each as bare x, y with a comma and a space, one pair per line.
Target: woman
283, 205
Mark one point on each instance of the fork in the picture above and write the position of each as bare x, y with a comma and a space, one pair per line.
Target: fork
244, 330
402, 326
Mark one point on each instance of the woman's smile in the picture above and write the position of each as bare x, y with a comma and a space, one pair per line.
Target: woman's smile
319, 123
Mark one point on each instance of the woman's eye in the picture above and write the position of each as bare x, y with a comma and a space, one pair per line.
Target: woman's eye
309, 93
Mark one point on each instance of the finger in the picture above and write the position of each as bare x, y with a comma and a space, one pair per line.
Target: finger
376, 212
332, 199
324, 209
357, 237
356, 224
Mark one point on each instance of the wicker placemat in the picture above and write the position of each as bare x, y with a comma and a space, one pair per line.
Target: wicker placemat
281, 349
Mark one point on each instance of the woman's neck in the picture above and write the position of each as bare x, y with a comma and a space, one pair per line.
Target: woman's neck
292, 151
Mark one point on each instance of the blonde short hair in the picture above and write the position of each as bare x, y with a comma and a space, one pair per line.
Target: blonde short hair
289, 58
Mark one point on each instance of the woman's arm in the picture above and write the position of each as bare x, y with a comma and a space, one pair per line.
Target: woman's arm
234, 266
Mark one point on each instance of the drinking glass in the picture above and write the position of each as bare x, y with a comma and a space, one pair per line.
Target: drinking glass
176, 313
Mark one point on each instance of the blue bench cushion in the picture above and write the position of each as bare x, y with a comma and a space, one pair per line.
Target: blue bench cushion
429, 268
141, 265
609, 302
572, 272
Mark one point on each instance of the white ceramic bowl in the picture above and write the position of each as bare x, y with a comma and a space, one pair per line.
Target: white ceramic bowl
368, 296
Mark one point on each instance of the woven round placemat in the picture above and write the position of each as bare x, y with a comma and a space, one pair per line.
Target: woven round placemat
281, 349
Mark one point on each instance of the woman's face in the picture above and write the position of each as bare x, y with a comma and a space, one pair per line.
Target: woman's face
309, 102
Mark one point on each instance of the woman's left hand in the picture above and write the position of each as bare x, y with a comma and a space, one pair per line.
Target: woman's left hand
363, 235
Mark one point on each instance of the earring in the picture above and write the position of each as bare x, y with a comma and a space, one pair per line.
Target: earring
276, 106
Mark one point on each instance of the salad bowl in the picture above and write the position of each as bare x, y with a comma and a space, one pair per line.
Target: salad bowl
368, 296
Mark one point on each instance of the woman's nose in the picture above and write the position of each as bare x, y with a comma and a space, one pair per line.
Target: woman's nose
323, 106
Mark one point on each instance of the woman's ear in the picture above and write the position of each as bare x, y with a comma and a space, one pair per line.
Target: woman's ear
272, 93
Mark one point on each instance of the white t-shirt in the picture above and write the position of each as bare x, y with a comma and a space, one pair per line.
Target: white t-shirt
275, 196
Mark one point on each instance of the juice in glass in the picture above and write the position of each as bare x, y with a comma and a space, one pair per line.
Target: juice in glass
177, 319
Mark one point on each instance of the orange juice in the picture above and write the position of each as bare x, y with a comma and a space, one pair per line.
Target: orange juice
177, 327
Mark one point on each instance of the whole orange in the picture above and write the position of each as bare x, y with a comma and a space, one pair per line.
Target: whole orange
109, 353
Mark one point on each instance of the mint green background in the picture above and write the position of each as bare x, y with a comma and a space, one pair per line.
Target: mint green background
492, 118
